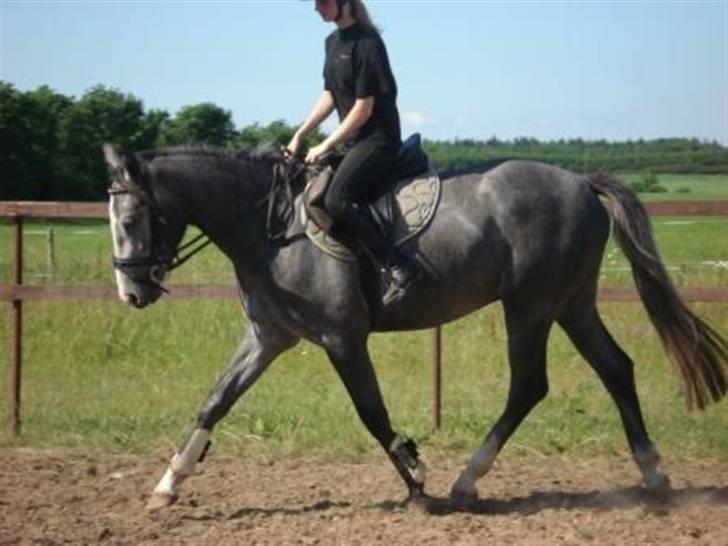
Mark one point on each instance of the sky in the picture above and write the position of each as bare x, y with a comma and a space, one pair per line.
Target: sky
612, 70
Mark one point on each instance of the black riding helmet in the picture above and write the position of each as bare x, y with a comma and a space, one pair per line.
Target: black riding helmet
339, 7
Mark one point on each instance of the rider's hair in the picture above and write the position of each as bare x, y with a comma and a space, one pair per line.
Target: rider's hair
361, 15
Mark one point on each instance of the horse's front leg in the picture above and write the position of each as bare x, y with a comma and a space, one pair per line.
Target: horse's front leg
355, 369
258, 349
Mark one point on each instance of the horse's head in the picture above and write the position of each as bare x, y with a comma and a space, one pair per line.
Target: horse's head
144, 249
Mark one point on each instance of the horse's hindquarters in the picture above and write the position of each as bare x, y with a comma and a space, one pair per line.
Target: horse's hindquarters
523, 230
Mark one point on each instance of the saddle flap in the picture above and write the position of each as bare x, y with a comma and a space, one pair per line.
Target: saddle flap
313, 199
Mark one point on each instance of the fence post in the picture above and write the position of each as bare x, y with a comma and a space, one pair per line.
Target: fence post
17, 349
51, 239
437, 377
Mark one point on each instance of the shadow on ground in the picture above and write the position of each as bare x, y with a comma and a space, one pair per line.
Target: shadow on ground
618, 499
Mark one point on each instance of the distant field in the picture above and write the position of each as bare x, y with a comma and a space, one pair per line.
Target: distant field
101, 375
702, 187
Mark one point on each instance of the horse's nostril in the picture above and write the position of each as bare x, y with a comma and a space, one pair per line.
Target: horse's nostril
132, 299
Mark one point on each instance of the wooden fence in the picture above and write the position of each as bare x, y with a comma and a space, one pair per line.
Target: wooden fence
16, 292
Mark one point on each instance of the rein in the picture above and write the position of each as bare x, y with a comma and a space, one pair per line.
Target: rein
179, 260
280, 195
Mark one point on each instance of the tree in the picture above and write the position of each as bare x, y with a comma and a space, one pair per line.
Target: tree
149, 133
29, 141
14, 133
201, 123
49, 108
101, 115
278, 133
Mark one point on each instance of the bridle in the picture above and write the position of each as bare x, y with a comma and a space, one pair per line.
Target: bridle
160, 259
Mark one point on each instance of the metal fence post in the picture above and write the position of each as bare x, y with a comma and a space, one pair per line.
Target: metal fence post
17, 349
437, 377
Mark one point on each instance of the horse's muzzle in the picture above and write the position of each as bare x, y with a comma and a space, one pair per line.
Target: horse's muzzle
139, 295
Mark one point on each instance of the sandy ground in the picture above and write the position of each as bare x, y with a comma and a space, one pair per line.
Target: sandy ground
55, 497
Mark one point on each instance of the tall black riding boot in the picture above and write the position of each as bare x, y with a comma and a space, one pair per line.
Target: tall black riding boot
397, 269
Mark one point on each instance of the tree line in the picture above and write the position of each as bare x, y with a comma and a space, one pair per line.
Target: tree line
50, 143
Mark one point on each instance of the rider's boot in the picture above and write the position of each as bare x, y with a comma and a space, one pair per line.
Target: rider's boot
398, 271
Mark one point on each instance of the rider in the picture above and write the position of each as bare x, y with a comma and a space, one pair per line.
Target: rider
359, 84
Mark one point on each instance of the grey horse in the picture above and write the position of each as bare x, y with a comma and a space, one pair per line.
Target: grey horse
526, 233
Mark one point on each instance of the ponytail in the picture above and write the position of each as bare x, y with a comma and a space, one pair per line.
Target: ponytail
361, 15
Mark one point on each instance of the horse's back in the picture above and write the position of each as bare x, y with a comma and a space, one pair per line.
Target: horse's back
520, 230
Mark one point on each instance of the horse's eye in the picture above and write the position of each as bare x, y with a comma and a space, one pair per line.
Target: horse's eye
127, 223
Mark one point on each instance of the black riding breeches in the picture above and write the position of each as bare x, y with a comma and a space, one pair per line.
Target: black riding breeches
361, 170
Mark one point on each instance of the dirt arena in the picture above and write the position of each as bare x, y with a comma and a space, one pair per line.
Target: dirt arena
53, 498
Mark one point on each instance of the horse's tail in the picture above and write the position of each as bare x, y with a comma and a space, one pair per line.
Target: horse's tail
699, 352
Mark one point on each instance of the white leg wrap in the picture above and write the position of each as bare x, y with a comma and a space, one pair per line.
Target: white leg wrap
480, 463
168, 485
184, 463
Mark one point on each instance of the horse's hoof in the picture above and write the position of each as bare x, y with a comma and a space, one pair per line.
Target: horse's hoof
159, 501
462, 499
659, 485
418, 499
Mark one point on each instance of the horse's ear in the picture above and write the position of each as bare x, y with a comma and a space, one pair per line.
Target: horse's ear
125, 169
112, 157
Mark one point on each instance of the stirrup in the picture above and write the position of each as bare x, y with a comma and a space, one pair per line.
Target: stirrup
396, 288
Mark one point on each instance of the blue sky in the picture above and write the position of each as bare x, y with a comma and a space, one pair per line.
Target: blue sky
465, 69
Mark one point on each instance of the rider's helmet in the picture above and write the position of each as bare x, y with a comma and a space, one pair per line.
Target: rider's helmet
339, 7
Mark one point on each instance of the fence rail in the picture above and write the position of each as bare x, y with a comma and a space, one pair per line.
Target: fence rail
16, 293
11, 293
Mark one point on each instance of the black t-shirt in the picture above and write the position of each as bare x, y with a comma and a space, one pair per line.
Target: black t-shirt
356, 67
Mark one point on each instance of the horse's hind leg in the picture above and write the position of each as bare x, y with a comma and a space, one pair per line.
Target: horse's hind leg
527, 338
584, 326
258, 349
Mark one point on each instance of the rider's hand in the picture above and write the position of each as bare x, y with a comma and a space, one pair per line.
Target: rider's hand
316, 152
293, 147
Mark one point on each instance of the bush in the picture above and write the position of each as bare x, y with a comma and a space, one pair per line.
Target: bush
683, 189
649, 183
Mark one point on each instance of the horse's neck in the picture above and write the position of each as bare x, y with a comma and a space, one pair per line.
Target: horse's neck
223, 205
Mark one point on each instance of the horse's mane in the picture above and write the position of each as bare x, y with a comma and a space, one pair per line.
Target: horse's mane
267, 152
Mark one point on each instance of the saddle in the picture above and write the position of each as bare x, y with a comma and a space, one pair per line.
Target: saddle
402, 208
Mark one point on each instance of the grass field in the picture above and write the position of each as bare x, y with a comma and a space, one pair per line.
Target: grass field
100, 375
695, 187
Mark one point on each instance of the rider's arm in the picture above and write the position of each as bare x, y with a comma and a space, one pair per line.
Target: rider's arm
357, 116
320, 112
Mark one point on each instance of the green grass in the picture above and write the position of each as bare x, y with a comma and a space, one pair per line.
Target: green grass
703, 187
101, 375
83, 255
694, 248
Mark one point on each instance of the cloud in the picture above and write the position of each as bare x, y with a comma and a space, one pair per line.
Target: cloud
415, 119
